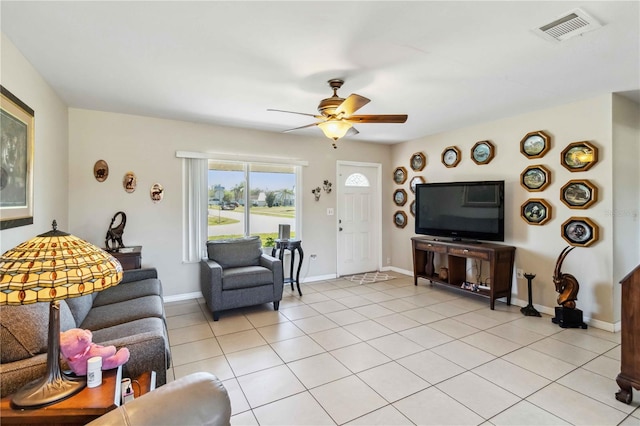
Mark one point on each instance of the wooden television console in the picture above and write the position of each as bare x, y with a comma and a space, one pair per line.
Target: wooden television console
500, 258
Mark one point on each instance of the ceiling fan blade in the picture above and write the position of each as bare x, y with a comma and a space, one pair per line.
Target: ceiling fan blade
351, 104
294, 112
390, 118
301, 127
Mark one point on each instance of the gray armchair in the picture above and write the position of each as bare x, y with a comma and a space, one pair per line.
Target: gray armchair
236, 274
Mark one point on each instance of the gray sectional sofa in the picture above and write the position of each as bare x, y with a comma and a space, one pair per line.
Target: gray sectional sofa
130, 315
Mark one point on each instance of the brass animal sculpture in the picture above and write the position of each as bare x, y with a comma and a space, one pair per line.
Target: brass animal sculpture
566, 284
114, 233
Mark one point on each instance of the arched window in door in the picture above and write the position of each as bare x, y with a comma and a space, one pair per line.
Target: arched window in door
357, 179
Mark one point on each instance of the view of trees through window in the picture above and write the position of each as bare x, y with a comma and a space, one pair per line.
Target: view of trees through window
235, 211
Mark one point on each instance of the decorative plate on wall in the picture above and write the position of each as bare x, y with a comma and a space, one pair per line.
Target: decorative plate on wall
536, 211
450, 156
412, 208
129, 182
101, 170
400, 175
579, 194
482, 152
400, 197
579, 156
535, 144
580, 231
400, 219
535, 178
418, 161
156, 192
414, 181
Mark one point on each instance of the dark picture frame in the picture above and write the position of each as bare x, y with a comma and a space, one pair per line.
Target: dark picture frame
579, 156
400, 219
579, 194
536, 211
580, 231
418, 161
400, 175
400, 197
535, 178
17, 126
535, 144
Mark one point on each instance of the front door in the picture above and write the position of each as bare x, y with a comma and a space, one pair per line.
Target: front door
358, 218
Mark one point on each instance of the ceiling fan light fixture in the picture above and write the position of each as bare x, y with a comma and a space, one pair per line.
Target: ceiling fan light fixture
334, 129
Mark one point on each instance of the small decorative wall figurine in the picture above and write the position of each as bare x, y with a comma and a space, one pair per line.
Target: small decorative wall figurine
113, 240
157, 192
130, 182
326, 185
101, 170
316, 193
567, 316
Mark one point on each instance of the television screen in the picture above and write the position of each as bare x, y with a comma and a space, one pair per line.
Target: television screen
461, 210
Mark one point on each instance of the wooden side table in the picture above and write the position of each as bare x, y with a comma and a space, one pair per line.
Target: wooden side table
293, 246
81, 408
129, 257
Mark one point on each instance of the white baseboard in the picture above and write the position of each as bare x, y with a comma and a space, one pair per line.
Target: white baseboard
181, 297
319, 278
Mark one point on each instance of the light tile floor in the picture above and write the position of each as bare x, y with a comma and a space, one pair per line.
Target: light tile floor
392, 353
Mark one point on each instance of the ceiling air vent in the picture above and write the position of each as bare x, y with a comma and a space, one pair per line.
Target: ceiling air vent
569, 25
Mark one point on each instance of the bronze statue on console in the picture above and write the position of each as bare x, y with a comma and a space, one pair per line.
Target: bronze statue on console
567, 316
114, 233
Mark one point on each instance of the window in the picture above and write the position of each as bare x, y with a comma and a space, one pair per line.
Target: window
357, 179
234, 211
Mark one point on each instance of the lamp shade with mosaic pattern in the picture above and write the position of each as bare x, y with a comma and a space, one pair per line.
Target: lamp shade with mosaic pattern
48, 268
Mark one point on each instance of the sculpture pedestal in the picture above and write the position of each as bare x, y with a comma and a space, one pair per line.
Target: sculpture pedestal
568, 318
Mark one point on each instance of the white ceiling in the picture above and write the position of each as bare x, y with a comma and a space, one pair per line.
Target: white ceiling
445, 64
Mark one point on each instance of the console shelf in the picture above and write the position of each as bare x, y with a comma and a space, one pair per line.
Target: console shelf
500, 258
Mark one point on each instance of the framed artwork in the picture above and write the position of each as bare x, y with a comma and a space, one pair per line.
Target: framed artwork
412, 208
579, 194
414, 181
579, 156
400, 197
400, 219
580, 231
535, 178
17, 124
418, 161
481, 196
400, 175
535, 144
536, 211
482, 152
450, 156
101, 170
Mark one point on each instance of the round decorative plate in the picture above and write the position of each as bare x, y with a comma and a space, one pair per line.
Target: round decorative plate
482, 152
451, 156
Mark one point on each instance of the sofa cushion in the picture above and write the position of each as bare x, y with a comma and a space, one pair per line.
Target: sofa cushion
237, 252
24, 329
245, 277
123, 312
128, 291
80, 307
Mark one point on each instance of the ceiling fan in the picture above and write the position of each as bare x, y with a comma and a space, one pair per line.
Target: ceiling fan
336, 114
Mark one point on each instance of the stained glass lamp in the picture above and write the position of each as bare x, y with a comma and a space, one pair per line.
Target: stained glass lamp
48, 268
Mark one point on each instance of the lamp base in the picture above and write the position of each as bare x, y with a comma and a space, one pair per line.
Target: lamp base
47, 390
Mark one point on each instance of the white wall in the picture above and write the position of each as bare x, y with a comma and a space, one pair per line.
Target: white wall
147, 146
626, 196
51, 134
537, 246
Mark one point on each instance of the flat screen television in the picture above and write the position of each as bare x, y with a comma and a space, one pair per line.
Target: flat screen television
461, 210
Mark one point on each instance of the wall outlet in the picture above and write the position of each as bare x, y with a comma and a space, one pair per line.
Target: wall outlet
314, 256
520, 274
330, 211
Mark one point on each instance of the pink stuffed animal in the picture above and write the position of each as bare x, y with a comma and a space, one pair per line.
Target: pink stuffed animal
76, 347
